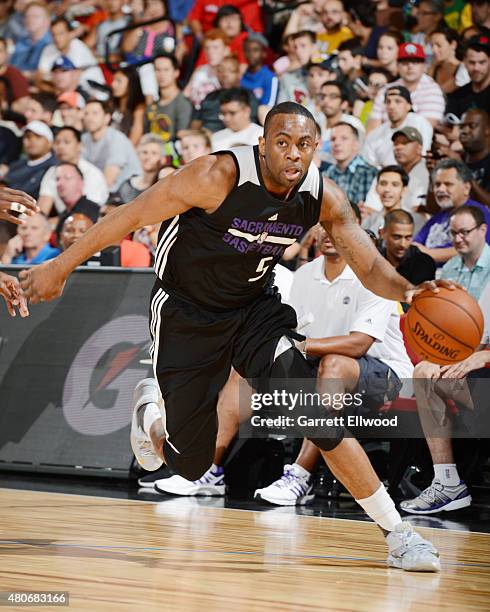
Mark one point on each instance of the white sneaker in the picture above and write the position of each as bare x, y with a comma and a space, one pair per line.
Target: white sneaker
211, 483
437, 498
410, 552
292, 489
146, 397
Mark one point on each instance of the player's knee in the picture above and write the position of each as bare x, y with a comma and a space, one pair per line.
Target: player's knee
331, 366
330, 442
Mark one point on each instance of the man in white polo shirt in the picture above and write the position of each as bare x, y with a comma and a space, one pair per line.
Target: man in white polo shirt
427, 97
354, 343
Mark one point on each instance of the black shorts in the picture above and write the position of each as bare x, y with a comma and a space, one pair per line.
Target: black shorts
193, 351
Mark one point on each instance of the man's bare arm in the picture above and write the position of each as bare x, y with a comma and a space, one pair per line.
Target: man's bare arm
355, 246
204, 183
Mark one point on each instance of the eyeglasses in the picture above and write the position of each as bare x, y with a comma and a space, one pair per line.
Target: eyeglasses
463, 233
376, 85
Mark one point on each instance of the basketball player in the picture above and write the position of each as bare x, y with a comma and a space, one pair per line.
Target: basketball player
227, 219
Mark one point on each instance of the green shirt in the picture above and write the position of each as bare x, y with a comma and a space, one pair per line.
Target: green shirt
474, 280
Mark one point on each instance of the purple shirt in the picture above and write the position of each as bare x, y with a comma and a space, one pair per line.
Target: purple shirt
435, 233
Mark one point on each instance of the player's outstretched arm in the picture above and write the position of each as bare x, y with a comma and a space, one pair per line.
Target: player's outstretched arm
372, 269
11, 292
204, 183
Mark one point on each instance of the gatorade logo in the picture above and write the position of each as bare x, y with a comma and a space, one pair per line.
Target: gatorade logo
98, 390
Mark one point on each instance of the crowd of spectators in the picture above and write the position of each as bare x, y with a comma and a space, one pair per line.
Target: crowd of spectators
99, 99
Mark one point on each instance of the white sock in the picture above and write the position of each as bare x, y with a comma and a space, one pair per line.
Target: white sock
151, 414
447, 474
380, 507
300, 471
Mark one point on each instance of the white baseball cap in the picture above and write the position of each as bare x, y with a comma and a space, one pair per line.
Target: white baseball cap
40, 128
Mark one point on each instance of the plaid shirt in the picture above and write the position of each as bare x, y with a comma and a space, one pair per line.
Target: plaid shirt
355, 180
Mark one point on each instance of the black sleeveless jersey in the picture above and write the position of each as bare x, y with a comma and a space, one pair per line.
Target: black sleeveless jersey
224, 260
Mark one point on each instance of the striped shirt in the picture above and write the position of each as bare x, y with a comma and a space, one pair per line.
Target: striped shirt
427, 100
355, 180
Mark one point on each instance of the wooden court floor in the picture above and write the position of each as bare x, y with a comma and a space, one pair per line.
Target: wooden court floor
185, 554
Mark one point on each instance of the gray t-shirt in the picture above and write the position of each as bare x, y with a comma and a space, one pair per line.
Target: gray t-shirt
166, 120
113, 149
103, 31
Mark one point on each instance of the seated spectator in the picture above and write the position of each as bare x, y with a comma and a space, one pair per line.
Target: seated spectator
194, 143
429, 17
426, 95
73, 228
236, 115
147, 41
305, 17
258, 78
107, 148
5, 11
70, 187
476, 93
151, 151
203, 13
65, 45
350, 55
208, 115
471, 266
378, 146
70, 108
28, 50
446, 69
31, 243
18, 83
305, 49
334, 100
452, 185
116, 20
37, 107
67, 77
173, 111
129, 104
354, 339
433, 387
475, 138
351, 172
396, 246
378, 79
229, 20
334, 32
15, 28
67, 148
204, 79
289, 59
10, 143
391, 184
407, 149
27, 173
132, 254
361, 21
387, 51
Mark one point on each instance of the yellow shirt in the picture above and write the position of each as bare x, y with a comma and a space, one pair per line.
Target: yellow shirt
328, 43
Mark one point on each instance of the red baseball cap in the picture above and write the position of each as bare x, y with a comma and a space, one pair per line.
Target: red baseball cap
410, 51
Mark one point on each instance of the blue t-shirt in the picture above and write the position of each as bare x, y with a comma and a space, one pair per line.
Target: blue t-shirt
435, 233
47, 252
263, 83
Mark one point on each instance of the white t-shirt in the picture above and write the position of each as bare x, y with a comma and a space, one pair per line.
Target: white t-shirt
94, 185
378, 146
485, 308
345, 306
415, 195
225, 139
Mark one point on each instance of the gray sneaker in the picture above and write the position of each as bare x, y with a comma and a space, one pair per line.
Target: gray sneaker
410, 552
438, 497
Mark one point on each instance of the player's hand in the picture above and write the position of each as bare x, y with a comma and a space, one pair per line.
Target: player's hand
12, 294
42, 283
461, 369
432, 285
14, 201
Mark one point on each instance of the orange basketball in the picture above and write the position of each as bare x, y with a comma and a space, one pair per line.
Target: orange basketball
444, 327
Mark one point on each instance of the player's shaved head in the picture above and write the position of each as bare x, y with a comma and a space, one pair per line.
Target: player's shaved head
287, 108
